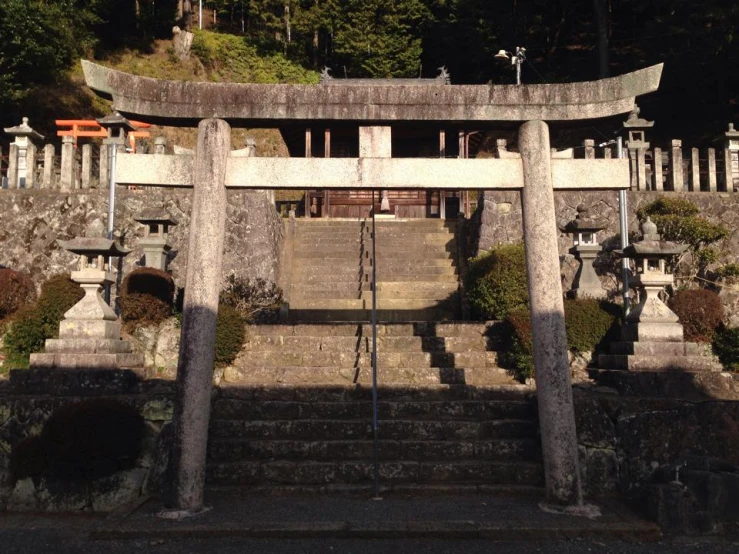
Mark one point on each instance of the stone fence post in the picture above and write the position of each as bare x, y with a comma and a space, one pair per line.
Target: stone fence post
13, 166
31, 175
712, 181
589, 148
47, 180
86, 176
160, 145
657, 170
66, 180
695, 171
676, 165
104, 165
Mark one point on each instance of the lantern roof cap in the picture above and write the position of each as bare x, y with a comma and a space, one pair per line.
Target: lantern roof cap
93, 246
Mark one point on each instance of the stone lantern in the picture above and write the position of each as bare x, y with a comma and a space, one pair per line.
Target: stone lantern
651, 319
585, 248
154, 242
90, 333
637, 146
22, 160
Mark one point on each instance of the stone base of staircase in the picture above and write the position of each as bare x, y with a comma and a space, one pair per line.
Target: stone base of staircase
452, 436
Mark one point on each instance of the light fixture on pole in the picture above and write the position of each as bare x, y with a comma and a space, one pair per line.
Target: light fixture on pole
516, 58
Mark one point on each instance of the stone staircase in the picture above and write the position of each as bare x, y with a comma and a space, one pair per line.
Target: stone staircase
295, 409
454, 437
421, 353
331, 276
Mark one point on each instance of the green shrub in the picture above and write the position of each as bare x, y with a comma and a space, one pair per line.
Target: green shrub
728, 271
588, 323
519, 356
726, 346
668, 205
230, 335
700, 311
16, 290
496, 282
30, 327
147, 297
255, 299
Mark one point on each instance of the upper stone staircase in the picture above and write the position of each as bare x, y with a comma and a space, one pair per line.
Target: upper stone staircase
331, 275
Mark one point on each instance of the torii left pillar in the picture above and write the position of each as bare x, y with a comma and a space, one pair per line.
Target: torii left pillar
200, 309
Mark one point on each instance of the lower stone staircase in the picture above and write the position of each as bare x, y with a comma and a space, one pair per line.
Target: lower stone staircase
455, 437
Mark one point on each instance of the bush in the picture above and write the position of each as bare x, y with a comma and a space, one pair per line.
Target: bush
16, 290
726, 346
496, 282
519, 357
588, 323
255, 299
147, 297
230, 335
31, 327
700, 311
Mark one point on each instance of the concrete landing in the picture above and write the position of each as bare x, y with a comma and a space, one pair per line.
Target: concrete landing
481, 516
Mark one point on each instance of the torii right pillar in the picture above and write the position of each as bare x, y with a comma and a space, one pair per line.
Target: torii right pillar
554, 390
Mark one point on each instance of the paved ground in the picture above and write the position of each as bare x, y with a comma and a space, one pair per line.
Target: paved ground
340, 525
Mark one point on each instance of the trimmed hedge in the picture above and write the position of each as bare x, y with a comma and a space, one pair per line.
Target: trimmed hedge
588, 323
16, 290
30, 327
230, 335
147, 297
496, 282
700, 311
726, 346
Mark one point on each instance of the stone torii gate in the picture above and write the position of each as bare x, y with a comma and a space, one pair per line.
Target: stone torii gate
213, 107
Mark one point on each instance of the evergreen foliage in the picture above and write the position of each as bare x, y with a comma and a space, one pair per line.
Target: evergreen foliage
230, 335
31, 326
147, 297
16, 290
496, 282
726, 346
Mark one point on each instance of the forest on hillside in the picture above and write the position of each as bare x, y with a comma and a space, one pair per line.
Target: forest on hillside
565, 40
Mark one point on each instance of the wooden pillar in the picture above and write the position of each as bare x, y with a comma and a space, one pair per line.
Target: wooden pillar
676, 165
327, 143
442, 144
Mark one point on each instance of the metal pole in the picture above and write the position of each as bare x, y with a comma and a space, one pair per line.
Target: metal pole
111, 207
624, 223
375, 431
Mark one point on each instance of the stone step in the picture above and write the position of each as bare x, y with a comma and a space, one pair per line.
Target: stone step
362, 471
409, 251
509, 450
348, 375
421, 329
88, 346
646, 348
391, 304
395, 393
461, 345
438, 410
365, 316
658, 363
65, 360
306, 239
276, 358
396, 429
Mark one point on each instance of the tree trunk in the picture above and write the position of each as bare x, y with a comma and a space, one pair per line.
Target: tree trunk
601, 21
288, 36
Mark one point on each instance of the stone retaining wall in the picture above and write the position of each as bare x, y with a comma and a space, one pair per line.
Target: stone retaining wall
32, 221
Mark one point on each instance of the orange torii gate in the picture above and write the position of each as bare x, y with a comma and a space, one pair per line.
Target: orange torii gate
90, 128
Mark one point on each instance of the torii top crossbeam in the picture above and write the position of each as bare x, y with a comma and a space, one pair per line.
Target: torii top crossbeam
181, 103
